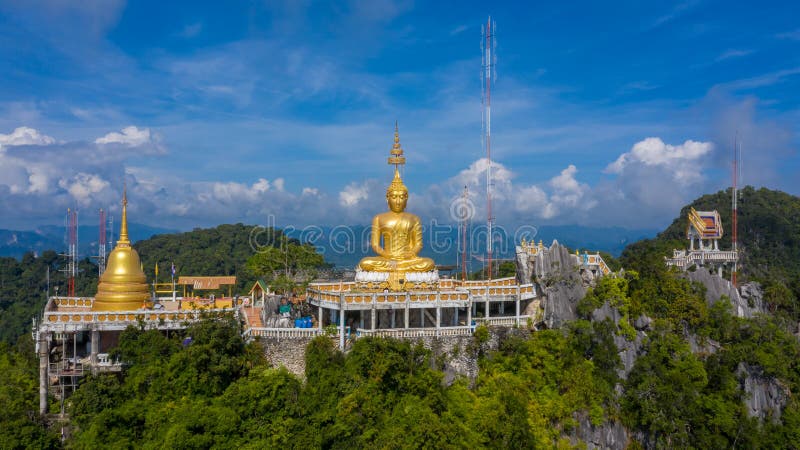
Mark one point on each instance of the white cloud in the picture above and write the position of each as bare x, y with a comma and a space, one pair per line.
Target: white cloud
567, 191
232, 192
353, 194
733, 53
684, 162
130, 136
84, 186
25, 136
309, 191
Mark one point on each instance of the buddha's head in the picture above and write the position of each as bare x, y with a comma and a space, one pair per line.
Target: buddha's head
397, 194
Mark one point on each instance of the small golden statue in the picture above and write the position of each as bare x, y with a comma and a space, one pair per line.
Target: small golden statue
400, 231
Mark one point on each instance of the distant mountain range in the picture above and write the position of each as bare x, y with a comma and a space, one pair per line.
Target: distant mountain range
345, 246
16, 243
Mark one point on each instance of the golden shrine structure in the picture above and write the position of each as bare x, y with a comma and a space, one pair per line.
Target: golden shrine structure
74, 334
704, 231
394, 293
398, 293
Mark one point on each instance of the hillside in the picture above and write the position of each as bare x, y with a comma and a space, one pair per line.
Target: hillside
646, 362
16, 243
769, 241
222, 250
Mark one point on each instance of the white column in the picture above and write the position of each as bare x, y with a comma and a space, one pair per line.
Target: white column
438, 316
372, 319
44, 360
341, 321
517, 305
408, 301
487, 301
320, 317
393, 314
361, 319
95, 350
469, 310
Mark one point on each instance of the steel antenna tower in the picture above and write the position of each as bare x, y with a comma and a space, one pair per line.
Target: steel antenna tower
464, 219
110, 231
71, 268
734, 207
101, 246
488, 76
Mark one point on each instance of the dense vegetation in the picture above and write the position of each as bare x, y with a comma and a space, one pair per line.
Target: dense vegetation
535, 389
246, 251
20, 424
23, 289
769, 241
217, 392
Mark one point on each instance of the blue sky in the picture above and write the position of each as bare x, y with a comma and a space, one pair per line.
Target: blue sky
222, 112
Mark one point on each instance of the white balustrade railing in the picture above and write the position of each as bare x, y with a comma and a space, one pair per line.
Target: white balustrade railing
122, 318
501, 321
416, 332
282, 332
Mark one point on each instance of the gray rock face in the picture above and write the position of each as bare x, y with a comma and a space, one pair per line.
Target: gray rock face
561, 302
766, 397
702, 347
610, 435
555, 270
747, 304
524, 266
642, 322
628, 352
554, 263
751, 300
606, 312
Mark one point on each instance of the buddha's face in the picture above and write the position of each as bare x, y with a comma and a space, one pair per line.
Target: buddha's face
397, 199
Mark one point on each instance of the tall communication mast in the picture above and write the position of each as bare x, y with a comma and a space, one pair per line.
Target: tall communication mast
101, 243
734, 207
71, 268
463, 226
488, 76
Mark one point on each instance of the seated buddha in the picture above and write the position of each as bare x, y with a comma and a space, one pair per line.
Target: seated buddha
400, 231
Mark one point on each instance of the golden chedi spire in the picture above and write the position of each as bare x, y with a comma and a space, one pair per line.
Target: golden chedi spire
123, 286
397, 157
398, 160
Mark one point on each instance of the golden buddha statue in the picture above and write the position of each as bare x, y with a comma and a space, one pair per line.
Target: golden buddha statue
123, 286
400, 231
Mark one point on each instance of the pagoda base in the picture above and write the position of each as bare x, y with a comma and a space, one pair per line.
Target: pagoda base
396, 281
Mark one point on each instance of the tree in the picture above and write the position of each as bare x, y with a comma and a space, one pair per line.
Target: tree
287, 265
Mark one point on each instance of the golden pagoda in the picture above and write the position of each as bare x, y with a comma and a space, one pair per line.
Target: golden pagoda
123, 286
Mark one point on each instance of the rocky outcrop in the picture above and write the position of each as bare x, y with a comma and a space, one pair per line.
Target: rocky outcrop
555, 271
610, 435
561, 302
765, 396
748, 303
751, 300
628, 352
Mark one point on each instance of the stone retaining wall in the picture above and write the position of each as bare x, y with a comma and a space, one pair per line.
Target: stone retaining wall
454, 355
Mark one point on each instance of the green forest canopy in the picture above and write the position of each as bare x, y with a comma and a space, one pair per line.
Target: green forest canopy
531, 392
